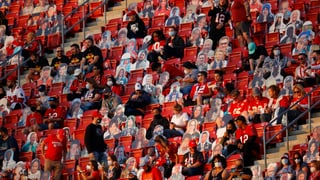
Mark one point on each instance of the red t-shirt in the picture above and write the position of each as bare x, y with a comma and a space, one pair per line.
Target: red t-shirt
258, 105
58, 112
244, 134
95, 175
76, 84
238, 11
281, 101
303, 103
157, 46
154, 174
235, 108
55, 147
199, 88
33, 118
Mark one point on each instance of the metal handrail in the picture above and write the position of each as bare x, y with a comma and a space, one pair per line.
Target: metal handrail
18, 65
284, 113
84, 17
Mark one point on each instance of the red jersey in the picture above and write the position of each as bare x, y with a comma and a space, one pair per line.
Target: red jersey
34, 118
238, 11
157, 46
55, 147
303, 103
258, 105
95, 175
76, 84
244, 134
237, 108
117, 89
154, 174
58, 112
199, 88
281, 101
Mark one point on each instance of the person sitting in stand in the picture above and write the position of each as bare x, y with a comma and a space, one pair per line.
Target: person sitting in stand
136, 27
158, 119
240, 172
257, 106
54, 116
239, 105
201, 91
193, 161
246, 136
138, 100
219, 171
92, 98
174, 47
60, 58
303, 74
15, 95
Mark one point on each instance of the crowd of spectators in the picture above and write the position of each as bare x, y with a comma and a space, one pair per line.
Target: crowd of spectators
184, 113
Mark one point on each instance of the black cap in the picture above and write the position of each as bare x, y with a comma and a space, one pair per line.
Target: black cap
189, 65
52, 98
42, 88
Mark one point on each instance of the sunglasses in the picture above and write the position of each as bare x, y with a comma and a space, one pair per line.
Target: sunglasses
300, 59
296, 92
59, 51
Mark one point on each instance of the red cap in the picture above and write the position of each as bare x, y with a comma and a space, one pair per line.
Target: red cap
96, 114
131, 13
11, 78
192, 144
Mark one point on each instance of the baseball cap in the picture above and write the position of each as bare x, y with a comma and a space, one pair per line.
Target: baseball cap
251, 47
52, 98
42, 88
131, 13
11, 78
192, 144
96, 114
77, 72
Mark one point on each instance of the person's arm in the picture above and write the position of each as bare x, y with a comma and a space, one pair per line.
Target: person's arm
247, 7
96, 97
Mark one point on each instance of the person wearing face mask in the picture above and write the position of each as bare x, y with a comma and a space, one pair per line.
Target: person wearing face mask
219, 170
116, 88
174, 45
42, 100
298, 164
34, 121
314, 170
114, 169
276, 57
239, 171
54, 116
92, 171
110, 100
93, 139
228, 140
92, 98
285, 169
190, 78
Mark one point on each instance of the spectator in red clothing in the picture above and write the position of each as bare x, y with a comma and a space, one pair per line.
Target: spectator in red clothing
246, 136
163, 159
77, 85
239, 105
32, 46
200, 91
54, 116
92, 171
56, 150
116, 88
156, 46
314, 170
240, 16
149, 173
257, 105
303, 74
34, 121
277, 104
99, 77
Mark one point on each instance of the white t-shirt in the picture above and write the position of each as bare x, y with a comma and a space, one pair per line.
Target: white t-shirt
180, 120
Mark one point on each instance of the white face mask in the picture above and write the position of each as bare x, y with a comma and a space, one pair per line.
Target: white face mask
276, 52
109, 83
284, 161
109, 163
297, 161
41, 93
87, 86
88, 167
313, 169
217, 164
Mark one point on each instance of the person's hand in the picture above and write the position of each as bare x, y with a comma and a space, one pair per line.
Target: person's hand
219, 26
170, 44
135, 96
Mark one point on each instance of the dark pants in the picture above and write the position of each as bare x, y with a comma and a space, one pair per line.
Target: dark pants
192, 171
56, 166
132, 111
